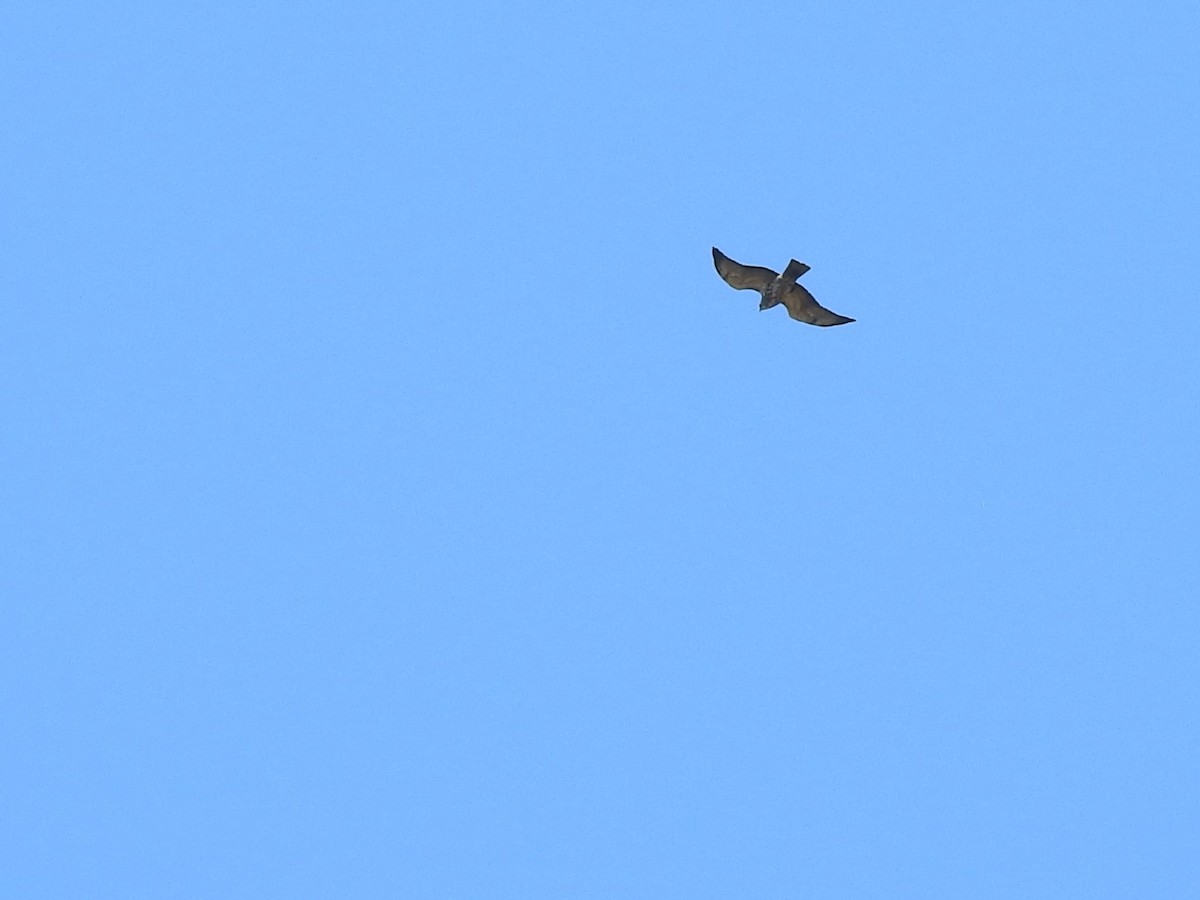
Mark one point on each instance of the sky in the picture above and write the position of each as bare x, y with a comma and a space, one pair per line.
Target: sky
395, 503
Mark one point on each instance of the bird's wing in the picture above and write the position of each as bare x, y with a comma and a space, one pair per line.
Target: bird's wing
754, 278
803, 307
794, 270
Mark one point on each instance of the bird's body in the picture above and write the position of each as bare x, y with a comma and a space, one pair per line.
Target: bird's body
777, 288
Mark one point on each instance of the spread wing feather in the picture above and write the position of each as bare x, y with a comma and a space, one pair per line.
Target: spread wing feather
752, 278
803, 307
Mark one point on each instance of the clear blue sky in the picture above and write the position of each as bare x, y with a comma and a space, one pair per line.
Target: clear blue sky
395, 503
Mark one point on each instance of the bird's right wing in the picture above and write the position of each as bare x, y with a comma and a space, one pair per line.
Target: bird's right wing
753, 278
803, 307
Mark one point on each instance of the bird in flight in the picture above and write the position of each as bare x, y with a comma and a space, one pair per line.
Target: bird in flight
775, 289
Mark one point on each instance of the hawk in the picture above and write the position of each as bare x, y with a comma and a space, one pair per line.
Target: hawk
775, 289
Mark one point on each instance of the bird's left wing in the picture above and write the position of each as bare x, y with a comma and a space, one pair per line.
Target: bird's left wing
753, 278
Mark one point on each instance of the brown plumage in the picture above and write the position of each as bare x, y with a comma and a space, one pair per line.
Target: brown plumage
775, 289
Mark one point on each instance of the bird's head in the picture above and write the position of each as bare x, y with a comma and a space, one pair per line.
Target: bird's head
772, 294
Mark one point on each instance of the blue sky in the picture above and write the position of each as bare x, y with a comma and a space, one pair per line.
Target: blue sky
395, 503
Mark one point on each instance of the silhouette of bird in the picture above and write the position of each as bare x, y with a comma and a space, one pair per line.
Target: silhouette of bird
776, 288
